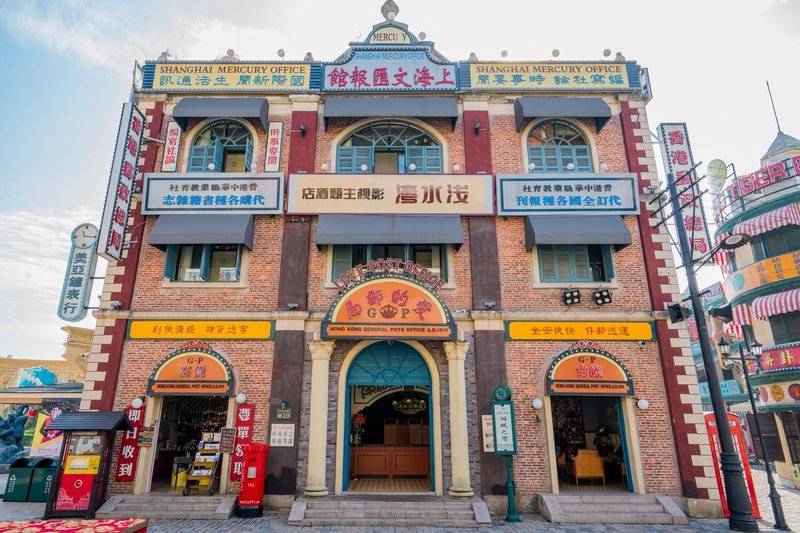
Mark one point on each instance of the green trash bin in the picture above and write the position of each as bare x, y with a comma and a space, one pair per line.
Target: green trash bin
19, 480
44, 471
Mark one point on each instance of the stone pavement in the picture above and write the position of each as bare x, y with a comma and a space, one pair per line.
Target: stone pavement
531, 523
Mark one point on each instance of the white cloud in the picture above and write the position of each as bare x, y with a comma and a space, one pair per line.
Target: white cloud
34, 248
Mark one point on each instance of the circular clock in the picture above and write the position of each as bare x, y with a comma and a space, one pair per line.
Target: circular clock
85, 236
502, 393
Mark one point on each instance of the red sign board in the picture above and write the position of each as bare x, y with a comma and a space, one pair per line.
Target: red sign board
741, 451
777, 358
764, 177
129, 449
244, 435
74, 492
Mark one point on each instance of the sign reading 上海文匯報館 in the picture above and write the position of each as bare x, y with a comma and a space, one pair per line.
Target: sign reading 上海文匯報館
606, 76
565, 330
406, 194
559, 194
77, 287
200, 329
120, 183
224, 76
192, 193
408, 69
678, 161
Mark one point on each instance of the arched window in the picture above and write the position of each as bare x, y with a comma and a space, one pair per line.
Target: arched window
554, 145
389, 148
224, 146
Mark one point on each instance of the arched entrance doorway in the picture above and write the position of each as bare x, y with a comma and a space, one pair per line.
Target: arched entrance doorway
389, 415
591, 426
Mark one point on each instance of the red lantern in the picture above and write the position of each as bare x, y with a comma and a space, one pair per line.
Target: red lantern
32, 413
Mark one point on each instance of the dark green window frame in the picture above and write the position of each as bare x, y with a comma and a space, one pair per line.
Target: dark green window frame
554, 144
776, 242
414, 146
215, 141
785, 327
575, 263
203, 256
346, 256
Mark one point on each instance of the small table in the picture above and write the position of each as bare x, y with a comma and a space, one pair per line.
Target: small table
125, 525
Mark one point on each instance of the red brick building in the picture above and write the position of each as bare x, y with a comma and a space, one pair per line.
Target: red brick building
366, 248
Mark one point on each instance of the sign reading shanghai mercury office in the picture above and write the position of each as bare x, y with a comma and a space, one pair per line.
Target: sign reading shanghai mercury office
222, 76
606, 76
192, 193
573, 193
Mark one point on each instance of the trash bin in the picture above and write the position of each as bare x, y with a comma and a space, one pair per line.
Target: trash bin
251, 493
19, 480
44, 471
180, 469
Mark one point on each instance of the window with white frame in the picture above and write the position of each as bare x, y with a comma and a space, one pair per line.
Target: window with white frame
203, 262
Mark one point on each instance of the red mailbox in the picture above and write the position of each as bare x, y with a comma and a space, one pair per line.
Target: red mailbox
251, 494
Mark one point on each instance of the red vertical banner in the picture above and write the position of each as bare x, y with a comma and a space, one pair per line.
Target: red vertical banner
244, 436
129, 448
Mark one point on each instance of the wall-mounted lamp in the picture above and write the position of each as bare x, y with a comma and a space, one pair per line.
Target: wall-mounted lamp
456, 167
212, 166
364, 167
537, 403
302, 129
601, 296
412, 167
477, 128
571, 296
292, 306
641, 403
137, 403
531, 166
115, 304
324, 167
241, 398
570, 166
489, 304
603, 166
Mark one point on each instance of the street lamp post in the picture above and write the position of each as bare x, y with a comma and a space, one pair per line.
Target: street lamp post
774, 497
741, 510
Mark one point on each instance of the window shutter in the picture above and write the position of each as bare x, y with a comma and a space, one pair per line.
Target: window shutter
547, 263
345, 161
363, 156
580, 254
216, 155
416, 155
608, 262
171, 259
342, 260
433, 159
563, 263
205, 263
772, 440
583, 163
197, 159
248, 155
536, 156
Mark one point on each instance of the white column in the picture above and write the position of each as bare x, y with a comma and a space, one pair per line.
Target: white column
318, 432
459, 440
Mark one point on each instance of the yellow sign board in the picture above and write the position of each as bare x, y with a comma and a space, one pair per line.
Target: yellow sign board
200, 329
552, 330
402, 194
782, 267
82, 464
224, 76
550, 75
389, 35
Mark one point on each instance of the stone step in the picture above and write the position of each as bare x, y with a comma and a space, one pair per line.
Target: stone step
463, 514
619, 518
345, 504
391, 522
612, 508
627, 499
164, 515
124, 506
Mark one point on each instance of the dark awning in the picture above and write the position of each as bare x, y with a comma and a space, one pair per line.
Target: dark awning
221, 108
587, 229
91, 421
528, 108
389, 229
437, 107
202, 229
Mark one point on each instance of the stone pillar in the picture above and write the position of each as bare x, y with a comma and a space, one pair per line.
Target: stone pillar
459, 439
318, 432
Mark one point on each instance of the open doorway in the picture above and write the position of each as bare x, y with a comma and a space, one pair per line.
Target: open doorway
590, 442
186, 423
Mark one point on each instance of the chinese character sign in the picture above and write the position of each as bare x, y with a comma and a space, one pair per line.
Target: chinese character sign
191, 193
677, 154
377, 70
505, 431
281, 436
129, 447
245, 413
120, 183
172, 146
230, 77
272, 158
553, 76
77, 287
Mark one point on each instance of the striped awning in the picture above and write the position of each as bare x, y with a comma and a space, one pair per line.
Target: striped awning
721, 257
777, 304
742, 315
734, 330
777, 218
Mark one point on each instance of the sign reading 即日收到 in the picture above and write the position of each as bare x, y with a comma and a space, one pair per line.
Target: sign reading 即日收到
677, 156
605, 76
120, 183
272, 160
373, 69
407, 194
560, 194
172, 147
236, 192
231, 77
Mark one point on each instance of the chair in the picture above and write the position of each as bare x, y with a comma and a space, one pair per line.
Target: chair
588, 465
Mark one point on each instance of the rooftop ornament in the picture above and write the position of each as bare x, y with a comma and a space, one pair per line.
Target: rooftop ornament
389, 10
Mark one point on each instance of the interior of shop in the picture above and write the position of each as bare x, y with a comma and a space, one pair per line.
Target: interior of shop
590, 450
390, 439
185, 422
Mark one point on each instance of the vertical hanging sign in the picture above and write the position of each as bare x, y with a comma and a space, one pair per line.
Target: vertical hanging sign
169, 163
677, 154
77, 287
129, 447
272, 158
120, 183
244, 436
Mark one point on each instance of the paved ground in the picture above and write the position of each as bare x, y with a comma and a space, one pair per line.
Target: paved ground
530, 523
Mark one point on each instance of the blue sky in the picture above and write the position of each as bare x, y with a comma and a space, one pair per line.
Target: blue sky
67, 68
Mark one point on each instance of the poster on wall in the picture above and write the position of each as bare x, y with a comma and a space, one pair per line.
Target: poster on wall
43, 442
